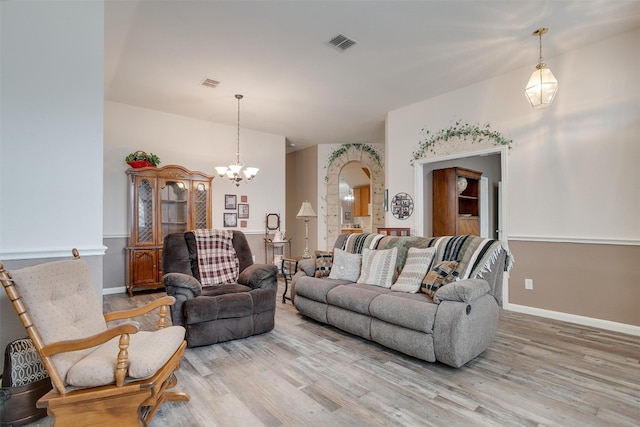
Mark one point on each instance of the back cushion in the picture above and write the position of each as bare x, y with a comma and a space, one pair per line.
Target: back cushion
175, 255
62, 303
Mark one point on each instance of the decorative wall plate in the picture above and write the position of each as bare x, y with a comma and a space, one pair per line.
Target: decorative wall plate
402, 206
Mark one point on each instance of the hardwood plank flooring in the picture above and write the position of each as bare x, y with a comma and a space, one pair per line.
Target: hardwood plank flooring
537, 372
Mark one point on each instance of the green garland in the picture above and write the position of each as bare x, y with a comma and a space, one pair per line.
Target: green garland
366, 148
458, 130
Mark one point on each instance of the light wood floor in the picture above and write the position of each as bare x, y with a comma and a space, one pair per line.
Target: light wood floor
538, 372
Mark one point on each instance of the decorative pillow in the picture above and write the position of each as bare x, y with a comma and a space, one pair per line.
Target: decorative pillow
324, 260
345, 266
378, 267
415, 267
443, 273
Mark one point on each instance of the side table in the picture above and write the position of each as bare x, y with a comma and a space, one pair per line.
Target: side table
288, 268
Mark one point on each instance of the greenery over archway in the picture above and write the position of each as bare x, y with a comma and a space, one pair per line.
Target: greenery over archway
365, 148
473, 132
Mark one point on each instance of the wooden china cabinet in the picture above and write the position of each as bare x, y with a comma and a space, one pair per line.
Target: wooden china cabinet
456, 202
170, 199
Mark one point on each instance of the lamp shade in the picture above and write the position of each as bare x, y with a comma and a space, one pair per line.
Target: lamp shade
541, 88
306, 211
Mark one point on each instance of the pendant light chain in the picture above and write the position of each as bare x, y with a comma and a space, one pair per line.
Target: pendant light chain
238, 97
539, 40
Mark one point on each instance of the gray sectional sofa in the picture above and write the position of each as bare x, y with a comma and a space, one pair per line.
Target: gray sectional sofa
453, 331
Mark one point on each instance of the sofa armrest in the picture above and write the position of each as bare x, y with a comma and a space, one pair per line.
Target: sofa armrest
182, 283
308, 265
462, 291
260, 276
464, 330
183, 288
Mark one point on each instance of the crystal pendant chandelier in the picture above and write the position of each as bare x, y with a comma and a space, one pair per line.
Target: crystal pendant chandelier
233, 171
542, 85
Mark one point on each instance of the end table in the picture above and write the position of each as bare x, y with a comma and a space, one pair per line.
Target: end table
288, 268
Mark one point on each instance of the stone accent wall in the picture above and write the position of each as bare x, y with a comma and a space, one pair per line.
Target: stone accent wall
333, 198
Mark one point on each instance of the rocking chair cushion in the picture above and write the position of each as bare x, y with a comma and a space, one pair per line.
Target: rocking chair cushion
148, 352
61, 300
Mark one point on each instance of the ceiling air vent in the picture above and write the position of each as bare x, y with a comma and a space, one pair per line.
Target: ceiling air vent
206, 82
341, 42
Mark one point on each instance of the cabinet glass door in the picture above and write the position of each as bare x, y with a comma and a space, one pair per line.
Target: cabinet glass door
173, 198
201, 197
145, 211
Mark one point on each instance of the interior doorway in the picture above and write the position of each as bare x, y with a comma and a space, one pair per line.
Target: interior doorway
491, 161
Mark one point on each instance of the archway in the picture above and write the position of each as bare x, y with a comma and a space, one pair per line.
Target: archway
333, 217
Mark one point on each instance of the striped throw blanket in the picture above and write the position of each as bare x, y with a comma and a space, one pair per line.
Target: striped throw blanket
474, 254
356, 242
217, 258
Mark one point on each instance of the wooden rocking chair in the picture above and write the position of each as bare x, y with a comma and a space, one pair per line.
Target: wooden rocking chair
101, 376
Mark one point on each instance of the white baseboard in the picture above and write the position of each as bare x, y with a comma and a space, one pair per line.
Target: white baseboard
111, 291
573, 318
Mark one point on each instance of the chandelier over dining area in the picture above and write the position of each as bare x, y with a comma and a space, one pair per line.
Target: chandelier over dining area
237, 172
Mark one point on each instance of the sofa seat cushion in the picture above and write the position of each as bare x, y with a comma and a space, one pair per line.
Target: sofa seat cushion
315, 288
412, 311
355, 297
227, 306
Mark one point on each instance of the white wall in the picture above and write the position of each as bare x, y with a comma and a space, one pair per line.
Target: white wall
51, 133
198, 145
573, 171
51, 93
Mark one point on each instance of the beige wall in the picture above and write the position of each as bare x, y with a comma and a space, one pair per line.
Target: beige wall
571, 176
600, 281
301, 185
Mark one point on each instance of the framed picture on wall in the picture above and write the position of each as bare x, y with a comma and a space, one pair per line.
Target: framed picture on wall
230, 201
243, 210
230, 219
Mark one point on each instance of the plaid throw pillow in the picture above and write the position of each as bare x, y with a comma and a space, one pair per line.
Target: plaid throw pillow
217, 258
443, 273
324, 260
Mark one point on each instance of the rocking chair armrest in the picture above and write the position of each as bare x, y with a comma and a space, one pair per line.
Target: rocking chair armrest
92, 341
127, 314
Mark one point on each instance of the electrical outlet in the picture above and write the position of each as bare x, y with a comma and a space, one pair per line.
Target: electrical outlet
254, 258
528, 284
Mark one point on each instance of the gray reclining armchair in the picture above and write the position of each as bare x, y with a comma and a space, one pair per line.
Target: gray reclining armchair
212, 314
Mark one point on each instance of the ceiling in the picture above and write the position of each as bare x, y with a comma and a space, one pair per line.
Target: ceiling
276, 54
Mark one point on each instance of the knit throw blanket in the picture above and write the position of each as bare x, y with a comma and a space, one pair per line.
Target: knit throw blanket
217, 258
356, 242
474, 254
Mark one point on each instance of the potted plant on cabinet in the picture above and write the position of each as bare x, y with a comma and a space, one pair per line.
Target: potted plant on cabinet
140, 159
